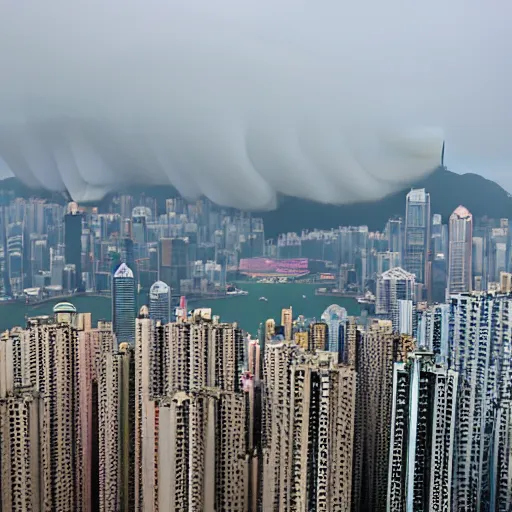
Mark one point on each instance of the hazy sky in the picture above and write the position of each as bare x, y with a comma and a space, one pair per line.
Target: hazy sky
332, 100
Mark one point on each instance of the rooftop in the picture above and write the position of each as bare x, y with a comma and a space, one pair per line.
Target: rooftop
64, 307
417, 195
397, 273
461, 212
123, 271
159, 288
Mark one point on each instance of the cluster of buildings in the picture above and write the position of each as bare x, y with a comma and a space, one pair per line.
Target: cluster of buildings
164, 409
50, 250
336, 414
47, 249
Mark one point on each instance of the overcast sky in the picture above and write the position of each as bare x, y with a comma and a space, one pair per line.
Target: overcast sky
332, 100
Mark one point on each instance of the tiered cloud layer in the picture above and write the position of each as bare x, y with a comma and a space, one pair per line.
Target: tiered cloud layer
331, 101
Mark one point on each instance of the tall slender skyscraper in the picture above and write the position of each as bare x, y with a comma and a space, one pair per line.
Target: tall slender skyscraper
417, 234
461, 251
123, 304
287, 322
422, 435
395, 236
439, 235
160, 302
73, 240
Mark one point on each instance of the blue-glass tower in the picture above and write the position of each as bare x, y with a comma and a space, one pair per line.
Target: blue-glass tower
123, 304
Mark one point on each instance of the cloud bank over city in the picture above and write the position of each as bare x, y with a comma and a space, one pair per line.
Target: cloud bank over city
239, 101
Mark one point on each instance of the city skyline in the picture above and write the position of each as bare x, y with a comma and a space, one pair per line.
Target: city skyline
404, 407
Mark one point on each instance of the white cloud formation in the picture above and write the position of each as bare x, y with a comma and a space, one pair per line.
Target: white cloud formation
332, 101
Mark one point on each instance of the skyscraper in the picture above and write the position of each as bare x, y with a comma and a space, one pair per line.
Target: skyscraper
123, 304
173, 261
318, 336
47, 442
334, 316
434, 330
270, 328
191, 416
405, 317
478, 256
417, 234
160, 302
287, 322
481, 352
376, 349
438, 278
460, 252
439, 234
140, 217
308, 430
394, 285
395, 236
422, 435
73, 240
116, 430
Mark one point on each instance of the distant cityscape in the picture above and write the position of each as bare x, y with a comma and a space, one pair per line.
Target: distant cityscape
49, 250
405, 408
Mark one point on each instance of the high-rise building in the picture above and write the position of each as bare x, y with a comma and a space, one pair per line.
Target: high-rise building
394, 285
499, 262
160, 302
140, 217
434, 330
417, 234
387, 261
308, 430
123, 304
422, 435
318, 336
125, 206
191, 416
270, 329
173, 261
73, 240
481, 352
48, 413
405, 317
251, 384
301, 338
376, 349
461, 250
116, 429
439, 236
57, 265
478, 256
334, 316
395, 235
439, 276
5, 286
287, 322
505, 282
19, 451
